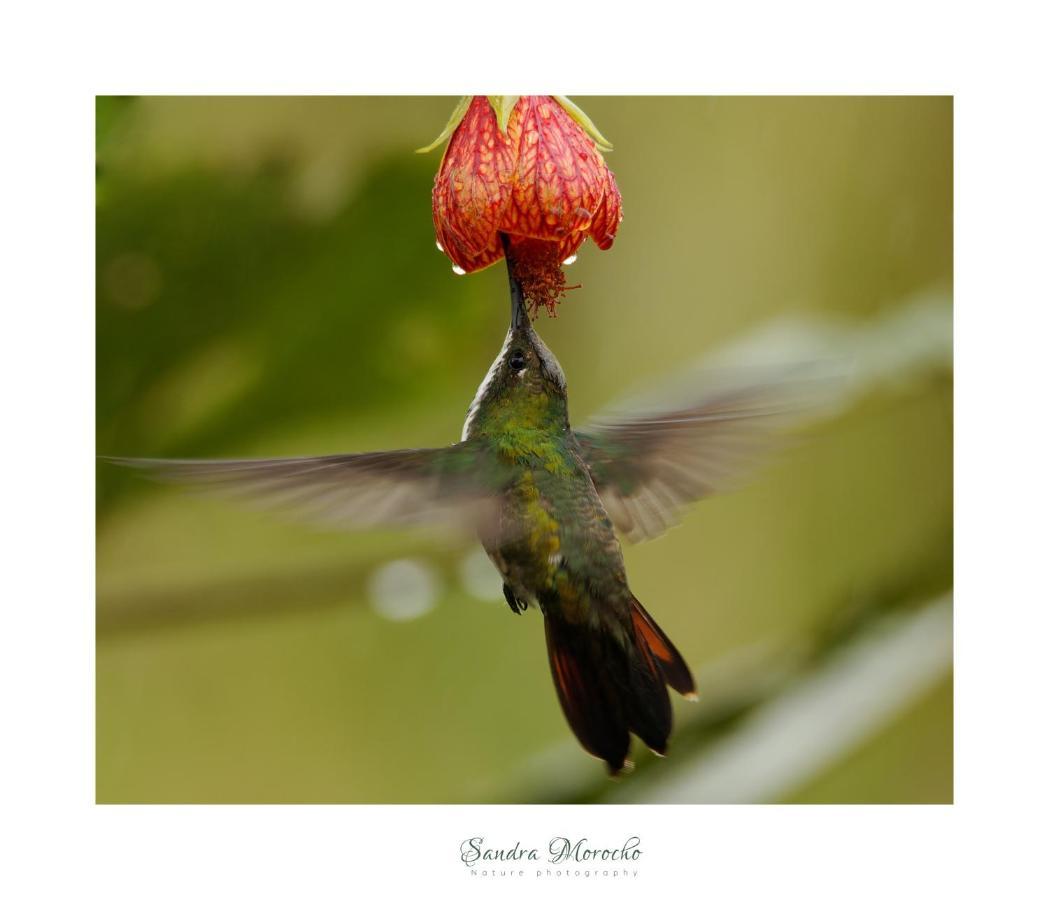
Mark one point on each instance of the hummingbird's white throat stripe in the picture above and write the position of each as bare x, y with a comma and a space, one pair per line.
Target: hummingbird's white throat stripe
471, 413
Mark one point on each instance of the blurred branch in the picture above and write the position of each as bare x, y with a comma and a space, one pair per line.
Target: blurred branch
295, 589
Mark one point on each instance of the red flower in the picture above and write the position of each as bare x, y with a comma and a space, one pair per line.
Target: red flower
529, 167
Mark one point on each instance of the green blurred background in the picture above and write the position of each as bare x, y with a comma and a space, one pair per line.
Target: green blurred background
268, 284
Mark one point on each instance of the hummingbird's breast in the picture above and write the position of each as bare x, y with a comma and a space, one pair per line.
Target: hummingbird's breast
555, 545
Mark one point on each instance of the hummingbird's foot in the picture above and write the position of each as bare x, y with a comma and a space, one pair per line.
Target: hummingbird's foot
516, 606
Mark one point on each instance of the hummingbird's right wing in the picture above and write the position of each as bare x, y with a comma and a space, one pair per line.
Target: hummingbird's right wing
446, 486
648, 463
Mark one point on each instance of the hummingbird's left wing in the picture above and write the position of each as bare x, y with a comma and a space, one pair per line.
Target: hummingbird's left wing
446, 486
647, 464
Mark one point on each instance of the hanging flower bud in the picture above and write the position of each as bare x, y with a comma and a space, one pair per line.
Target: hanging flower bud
530, 168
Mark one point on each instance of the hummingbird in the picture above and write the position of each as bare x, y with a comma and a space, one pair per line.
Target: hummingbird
549, 504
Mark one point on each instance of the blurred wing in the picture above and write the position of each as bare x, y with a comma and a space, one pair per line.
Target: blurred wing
446, 486
647, 466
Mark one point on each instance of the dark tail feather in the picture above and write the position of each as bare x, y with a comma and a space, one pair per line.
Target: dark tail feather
647, 701
578, 664
675, 670
608, 689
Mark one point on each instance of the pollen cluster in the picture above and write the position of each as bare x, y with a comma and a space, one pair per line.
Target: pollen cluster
536, 265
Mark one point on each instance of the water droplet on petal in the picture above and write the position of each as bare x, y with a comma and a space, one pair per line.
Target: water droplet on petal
439, 247
459, 270
570, 260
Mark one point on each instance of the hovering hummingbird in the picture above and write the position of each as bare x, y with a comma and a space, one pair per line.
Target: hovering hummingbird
546, 501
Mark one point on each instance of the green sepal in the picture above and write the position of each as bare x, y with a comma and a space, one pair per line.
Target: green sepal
503, 106
457, 116
583, 121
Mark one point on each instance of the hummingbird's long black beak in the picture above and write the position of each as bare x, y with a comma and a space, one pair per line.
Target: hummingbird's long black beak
518, 311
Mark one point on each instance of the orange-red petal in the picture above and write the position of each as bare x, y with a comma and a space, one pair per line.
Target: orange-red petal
559, 179
472, 189
609, 214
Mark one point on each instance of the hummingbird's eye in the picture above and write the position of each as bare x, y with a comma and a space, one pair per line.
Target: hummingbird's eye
517, 360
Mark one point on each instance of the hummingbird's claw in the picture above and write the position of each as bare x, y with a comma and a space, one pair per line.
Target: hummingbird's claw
516, 606
511, 599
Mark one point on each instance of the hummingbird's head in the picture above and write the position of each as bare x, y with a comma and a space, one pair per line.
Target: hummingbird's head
529, 365
524, 388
